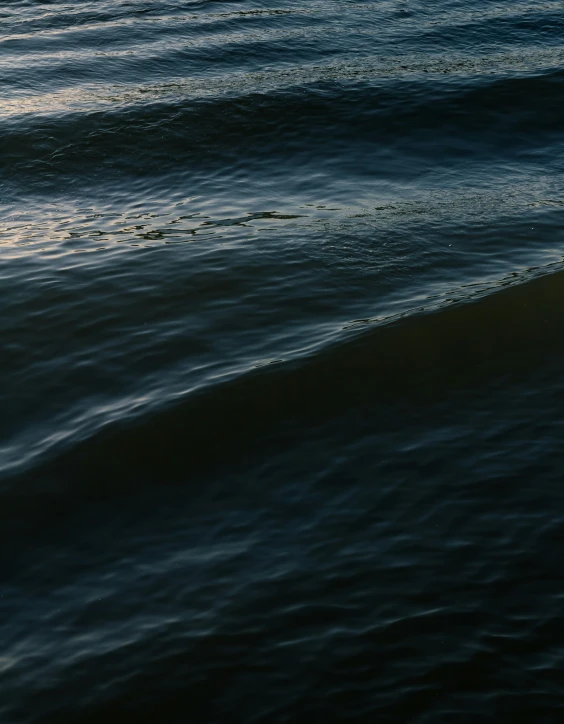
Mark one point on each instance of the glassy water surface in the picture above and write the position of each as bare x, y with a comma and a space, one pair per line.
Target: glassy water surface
283, 404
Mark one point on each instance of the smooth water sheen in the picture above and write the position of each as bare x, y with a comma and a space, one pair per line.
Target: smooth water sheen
281, 374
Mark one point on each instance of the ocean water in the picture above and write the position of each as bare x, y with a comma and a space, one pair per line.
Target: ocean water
282, 386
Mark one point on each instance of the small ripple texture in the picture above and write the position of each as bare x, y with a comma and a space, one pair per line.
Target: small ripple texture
281, 361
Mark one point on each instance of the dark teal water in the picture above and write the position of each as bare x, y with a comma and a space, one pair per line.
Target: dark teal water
282, 387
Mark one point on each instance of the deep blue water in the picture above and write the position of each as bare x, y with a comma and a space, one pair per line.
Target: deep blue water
282, 385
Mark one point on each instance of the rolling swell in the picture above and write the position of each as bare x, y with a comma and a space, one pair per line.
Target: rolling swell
422, 359
209, 133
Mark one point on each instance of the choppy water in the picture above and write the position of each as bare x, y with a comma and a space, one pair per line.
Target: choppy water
281, 372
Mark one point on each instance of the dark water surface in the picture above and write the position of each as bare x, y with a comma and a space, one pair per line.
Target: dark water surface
281, 375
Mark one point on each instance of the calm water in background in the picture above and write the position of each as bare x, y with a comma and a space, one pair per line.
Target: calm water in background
282, 354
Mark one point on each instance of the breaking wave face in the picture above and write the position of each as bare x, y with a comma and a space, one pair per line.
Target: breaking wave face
281, 361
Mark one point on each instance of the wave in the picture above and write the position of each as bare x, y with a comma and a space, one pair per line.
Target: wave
357, 127
421, 359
